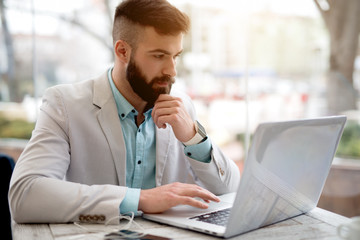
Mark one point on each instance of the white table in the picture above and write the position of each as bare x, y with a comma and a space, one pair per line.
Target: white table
317, 224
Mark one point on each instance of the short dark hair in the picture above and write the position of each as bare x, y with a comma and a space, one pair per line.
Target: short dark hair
132, 15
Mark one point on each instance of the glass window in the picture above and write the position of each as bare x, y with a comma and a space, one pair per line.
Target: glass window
244, 62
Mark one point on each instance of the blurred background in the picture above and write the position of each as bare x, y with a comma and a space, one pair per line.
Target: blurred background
244, 62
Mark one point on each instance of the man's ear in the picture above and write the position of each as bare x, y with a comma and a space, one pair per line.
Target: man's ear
122, 51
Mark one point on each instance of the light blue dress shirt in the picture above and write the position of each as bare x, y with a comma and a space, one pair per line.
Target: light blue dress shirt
140, 143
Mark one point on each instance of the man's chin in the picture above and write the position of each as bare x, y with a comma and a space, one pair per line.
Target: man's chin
157, 93
165, 90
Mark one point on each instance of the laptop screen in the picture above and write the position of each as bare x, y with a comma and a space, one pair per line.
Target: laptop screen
285, 171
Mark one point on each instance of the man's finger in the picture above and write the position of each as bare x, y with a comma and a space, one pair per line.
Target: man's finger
193, 191
166, 97
191, 202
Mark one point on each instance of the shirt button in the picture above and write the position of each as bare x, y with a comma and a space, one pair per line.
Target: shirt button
139, 162
133, 111
189, 154
139, 130
122, 115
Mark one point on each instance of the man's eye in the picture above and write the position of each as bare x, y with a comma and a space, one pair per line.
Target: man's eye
159, 56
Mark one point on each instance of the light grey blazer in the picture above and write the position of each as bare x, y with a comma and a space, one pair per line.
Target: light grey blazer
73, 167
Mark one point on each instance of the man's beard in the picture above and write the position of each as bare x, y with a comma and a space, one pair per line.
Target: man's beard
144, 90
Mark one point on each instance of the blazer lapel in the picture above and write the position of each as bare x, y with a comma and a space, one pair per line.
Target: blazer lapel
109, 121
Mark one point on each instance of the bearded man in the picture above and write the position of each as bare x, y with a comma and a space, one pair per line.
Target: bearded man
123, 142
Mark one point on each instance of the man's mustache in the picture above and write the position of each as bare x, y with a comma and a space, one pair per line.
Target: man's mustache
163, 79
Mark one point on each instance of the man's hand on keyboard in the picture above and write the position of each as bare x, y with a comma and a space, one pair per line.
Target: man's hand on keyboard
162, 198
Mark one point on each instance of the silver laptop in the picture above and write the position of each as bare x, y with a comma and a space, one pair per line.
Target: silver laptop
284, 174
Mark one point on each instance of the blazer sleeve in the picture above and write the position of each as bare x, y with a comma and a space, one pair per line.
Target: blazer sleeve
38, 190
220, 175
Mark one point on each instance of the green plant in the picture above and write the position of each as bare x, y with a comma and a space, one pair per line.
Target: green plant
349, 145
16, 128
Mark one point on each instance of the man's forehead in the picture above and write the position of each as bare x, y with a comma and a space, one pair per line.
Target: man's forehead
151, 41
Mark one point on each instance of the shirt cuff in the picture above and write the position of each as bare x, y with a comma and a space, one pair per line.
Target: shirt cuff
200, 152
130, 203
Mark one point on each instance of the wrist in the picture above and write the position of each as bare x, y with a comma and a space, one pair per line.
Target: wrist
143, 199
200, 135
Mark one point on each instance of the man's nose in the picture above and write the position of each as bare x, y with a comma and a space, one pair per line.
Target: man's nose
170, 68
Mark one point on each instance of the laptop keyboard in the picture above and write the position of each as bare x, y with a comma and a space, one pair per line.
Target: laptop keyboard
219, 217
